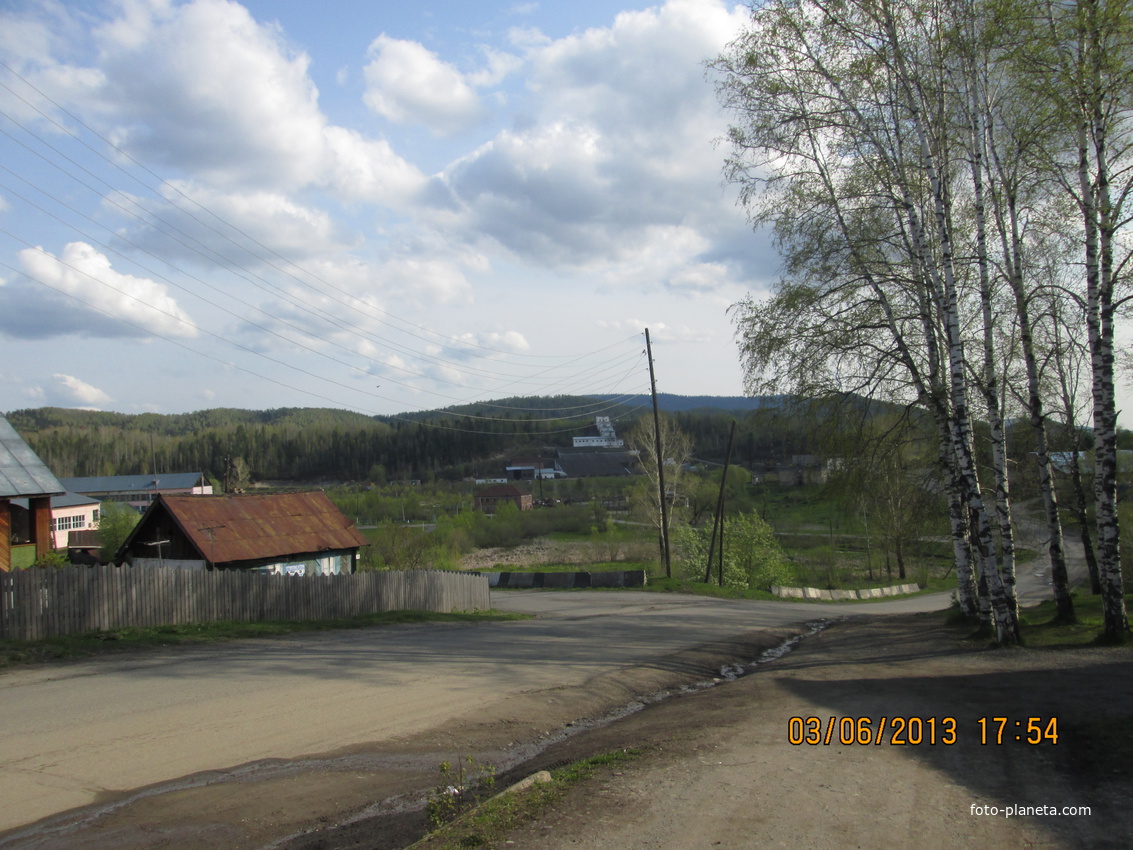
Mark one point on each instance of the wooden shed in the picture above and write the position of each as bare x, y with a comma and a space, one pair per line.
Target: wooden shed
285, 533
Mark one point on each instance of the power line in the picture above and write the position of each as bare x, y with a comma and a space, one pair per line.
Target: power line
545, 379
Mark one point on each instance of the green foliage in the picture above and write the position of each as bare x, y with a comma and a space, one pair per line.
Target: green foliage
753, 558
115, 522
490, 824
462, 787
53, 559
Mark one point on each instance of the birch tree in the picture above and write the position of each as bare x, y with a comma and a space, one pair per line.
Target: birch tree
846, 143
1078, 56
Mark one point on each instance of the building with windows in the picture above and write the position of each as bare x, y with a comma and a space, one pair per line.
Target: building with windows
72, 512
490, 498
139, 490
607, 437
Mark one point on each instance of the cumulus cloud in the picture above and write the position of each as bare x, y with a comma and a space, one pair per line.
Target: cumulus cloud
204, 89
257, 224
617, 156
405, 82
99, 295
82, 392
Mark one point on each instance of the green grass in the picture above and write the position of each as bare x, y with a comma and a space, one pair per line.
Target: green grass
1040, 627
595, 567
488, 824
16, 652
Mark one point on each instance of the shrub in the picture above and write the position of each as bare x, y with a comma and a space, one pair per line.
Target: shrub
753, 558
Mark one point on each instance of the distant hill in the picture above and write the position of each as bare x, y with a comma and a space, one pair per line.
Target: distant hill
310, 444
685, 403
175, 424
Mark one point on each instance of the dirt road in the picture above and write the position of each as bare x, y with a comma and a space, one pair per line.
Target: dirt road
334, 743
320, 725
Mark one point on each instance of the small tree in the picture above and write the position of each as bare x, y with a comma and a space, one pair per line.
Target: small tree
676, 452
753, 558
115, 522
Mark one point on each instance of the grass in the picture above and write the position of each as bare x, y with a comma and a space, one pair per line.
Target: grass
595, 567
1040, 627
17, 652
489, 823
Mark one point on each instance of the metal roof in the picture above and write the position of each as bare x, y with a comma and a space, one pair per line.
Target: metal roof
253, 527
133, 483
22, 473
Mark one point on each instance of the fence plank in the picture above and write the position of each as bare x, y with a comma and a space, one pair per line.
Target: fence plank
41, 603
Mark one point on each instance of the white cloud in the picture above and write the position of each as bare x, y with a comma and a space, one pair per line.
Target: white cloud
616, 158
204, 89
203, 86
81, 391
84, 273
408, 83
253, 218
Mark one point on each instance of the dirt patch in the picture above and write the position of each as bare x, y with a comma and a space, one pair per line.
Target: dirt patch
544, 551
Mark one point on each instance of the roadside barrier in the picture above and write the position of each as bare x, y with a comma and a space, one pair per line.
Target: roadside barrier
833, 595
566, 581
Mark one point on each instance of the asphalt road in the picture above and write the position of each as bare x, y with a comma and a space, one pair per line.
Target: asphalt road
75, 733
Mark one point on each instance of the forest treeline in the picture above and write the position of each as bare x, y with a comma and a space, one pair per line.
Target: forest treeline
320, 444
317, 444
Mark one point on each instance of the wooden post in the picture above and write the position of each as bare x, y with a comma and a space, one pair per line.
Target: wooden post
40, 525
665, 551
718, 519
5, 535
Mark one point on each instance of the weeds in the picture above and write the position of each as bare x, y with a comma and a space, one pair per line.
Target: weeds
461, 788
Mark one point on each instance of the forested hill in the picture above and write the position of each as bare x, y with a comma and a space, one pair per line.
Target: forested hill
707, 403
175, 424
309, 444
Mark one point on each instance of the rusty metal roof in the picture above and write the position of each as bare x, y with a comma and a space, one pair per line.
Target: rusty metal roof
251, 527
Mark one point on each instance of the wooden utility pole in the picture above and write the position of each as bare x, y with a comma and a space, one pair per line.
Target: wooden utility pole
660, 463
718, 520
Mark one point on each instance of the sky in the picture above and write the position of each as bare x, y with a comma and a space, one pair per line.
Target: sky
377, 206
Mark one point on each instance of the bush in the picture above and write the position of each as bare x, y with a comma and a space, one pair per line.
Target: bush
753, 558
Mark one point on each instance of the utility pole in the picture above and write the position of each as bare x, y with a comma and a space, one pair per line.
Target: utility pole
718, 520
660, 463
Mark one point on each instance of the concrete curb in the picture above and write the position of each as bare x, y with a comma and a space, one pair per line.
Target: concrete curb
832, 595
522, 785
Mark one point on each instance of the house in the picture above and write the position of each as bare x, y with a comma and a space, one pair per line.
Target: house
139, 490
281, 533
488, 499
25, 529
72, 512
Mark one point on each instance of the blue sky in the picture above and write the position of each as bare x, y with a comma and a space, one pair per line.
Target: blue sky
376, 206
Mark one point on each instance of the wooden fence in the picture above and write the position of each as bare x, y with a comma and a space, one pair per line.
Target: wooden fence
41, 603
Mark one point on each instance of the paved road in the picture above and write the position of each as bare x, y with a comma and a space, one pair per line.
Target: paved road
70, 733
